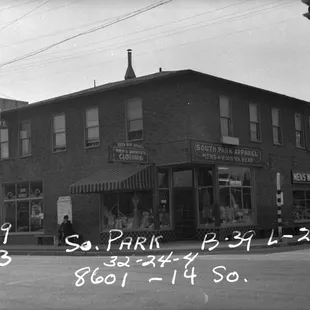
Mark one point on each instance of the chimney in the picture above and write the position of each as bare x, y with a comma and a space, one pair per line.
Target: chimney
130, 74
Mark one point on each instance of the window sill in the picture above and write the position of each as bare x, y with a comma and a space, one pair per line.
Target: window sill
300, 147
59, 151
91, 146
24, 156
5, 159
278, 144
256, 141
136, 140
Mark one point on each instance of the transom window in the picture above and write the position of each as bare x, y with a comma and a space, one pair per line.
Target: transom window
25, 138
134, 115
92, 127
59, 133
225, 116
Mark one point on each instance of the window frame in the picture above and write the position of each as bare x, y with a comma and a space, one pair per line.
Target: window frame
54, 149
252, 188
28, 138
230, 121
5, 142
127, 121
96, 143
29, 199
305, 200
257, 123
302, 131
279, 128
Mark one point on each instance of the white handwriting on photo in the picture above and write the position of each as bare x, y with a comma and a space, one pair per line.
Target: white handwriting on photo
4, 254
150, 260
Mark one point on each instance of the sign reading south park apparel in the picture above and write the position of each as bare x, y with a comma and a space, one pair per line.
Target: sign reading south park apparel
203, 151
128, 153
299, 177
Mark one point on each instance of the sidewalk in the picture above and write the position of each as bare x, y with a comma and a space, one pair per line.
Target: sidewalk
179, 247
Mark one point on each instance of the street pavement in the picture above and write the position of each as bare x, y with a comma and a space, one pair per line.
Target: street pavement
261, 281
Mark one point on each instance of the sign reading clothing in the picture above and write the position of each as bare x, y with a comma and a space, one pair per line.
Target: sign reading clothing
128, 153
300, 177
229, 154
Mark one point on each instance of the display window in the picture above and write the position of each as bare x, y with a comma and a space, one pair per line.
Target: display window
235, 195
23, 206
301, 205
128, 210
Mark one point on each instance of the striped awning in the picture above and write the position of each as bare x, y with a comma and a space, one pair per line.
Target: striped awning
124, 178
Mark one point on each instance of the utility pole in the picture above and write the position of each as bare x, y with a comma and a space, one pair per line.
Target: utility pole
307, 2
279, 197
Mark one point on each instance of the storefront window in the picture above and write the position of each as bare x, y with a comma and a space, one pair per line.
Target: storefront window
235, 196
205, 197
23, 206
301, 205
128, 210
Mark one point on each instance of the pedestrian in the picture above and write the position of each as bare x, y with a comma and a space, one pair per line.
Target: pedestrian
65, 230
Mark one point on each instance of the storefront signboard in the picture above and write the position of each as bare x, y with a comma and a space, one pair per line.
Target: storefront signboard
299, 177
64, 207
128, 153
204, 151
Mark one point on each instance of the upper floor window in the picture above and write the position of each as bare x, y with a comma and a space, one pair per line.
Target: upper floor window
299, 131
59, 133
4, 143
92, 127
134, 115
255, 122
25, 138
225, 113
276, 126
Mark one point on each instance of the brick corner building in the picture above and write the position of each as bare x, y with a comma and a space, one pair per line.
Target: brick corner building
177, 153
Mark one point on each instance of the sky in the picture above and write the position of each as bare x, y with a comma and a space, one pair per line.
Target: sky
263, 43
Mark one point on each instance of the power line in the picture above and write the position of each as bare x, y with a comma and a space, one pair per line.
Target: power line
18, 19
130, 15
90, 24
51, 9
14, 6
234, 18
170, 47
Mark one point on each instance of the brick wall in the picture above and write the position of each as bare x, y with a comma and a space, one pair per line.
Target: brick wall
174, 109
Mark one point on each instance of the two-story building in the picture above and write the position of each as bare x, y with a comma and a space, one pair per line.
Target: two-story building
213, 148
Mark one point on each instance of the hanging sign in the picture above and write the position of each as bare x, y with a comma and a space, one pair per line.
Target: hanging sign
299, 177
64, 207
128, 153
203, 151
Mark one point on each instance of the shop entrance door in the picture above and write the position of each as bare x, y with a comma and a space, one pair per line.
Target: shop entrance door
184, 213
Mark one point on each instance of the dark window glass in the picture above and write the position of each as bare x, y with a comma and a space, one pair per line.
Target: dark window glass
23, 216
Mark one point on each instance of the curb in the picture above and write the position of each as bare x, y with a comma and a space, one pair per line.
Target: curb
102, 253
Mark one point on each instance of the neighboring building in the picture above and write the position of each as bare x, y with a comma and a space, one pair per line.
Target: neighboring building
217, 145
9, 104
